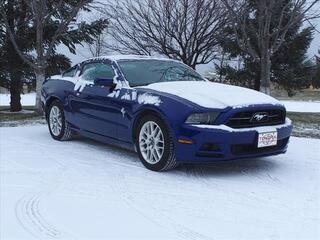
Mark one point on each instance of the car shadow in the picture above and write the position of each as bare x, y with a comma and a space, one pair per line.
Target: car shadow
251, 166
116, 150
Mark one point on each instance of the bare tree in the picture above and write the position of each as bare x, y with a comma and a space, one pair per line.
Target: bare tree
99, 46
188, 30
63, 14
261, 39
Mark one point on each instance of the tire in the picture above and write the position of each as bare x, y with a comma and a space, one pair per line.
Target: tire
155, 145
55, 112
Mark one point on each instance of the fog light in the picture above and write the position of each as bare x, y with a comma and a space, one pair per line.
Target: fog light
210, 147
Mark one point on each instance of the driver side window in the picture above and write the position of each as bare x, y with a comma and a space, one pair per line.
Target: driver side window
70, 72
92, 71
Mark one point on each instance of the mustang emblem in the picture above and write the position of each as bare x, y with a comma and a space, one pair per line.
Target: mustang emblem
259, 117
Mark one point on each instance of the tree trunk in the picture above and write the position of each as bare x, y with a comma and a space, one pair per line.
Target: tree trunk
221, 66
265, 74
40, 77
257, 83
15, 89
257, 76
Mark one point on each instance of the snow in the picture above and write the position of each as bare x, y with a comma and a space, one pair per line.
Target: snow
302, 106
82, 189
291, 106
261, 129
23, 111
119, 83
132, 57
28, 99
80, 84
74, 80
213, 95
147, 98
126, 96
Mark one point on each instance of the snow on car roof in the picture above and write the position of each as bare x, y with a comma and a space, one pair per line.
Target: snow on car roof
133, 57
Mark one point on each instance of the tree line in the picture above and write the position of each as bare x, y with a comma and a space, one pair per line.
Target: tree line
31, 30
252, 42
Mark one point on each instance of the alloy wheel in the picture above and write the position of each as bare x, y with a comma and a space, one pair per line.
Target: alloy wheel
151, 142
55, 121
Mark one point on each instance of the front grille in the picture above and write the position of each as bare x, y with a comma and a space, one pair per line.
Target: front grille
246, 119
241, 149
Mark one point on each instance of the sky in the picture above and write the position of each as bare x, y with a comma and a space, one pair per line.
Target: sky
82, 53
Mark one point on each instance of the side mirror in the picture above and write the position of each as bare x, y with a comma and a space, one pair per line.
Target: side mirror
106, 82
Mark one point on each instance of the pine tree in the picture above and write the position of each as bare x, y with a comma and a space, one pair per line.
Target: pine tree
288, 66
20, 34
316, 76
12, 67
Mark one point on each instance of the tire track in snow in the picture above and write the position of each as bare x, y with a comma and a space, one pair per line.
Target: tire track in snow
201, 173
31, 219
166, 222
27, 208
100, 160
28, 214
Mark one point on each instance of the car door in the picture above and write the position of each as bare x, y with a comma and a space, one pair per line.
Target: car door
94, 110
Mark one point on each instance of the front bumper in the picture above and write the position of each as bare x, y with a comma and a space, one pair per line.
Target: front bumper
225, 143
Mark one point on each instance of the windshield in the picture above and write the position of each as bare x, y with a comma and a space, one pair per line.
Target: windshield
144, 72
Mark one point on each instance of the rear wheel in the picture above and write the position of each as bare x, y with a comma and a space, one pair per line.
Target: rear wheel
58, 126
154, 144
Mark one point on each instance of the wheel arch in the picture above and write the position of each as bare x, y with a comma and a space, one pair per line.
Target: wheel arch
141, 114
48, 102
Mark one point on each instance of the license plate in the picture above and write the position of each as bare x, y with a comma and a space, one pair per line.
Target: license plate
267, 139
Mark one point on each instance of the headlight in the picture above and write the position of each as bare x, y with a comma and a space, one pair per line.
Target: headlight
202, 118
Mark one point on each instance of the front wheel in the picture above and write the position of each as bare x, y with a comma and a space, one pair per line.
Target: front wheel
154, 144
58, 126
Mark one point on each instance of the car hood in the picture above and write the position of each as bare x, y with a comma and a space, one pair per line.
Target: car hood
213, 95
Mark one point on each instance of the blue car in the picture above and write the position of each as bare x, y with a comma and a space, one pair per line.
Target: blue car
164, 110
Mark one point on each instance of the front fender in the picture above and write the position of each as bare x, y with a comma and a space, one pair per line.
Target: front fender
171, 111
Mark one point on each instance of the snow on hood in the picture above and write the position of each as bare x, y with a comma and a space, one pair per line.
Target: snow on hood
213, 95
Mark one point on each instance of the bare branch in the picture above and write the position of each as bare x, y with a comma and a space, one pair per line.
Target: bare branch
182, 29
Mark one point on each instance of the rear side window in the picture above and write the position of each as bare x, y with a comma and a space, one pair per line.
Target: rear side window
92, 71
70, 72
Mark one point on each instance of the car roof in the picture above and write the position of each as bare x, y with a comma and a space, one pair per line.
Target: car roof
131, 57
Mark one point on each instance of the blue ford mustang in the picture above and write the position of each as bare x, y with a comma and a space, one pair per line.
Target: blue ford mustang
164, 110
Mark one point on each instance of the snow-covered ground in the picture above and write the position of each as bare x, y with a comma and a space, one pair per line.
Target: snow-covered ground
82, 189
302, 106
28, 99
292, 106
